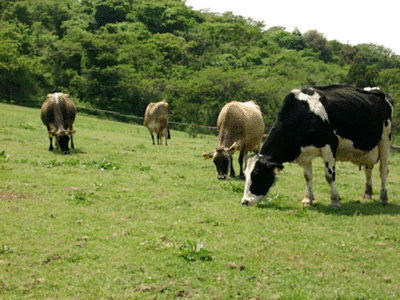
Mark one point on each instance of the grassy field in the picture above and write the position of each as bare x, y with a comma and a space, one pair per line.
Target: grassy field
120, 218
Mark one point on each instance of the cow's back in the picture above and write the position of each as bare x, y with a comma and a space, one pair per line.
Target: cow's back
355, 114
156, 116
58, 108
241, 121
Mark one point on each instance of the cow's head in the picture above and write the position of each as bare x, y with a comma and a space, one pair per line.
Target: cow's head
260, 176
167, 109
62, 139
222, 158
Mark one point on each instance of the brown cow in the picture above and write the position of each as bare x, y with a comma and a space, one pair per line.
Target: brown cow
58, 114
156, 120
241, 126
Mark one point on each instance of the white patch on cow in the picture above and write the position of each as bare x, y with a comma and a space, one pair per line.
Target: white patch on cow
368, 89
249, 197
56, 95
313, 102
347, 152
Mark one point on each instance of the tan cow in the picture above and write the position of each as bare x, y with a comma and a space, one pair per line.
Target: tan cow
241, 126
58, 113
156, 120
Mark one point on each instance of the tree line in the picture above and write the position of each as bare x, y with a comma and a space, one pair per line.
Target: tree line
119, 55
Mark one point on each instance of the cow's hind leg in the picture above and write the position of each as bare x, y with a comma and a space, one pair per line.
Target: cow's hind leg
368, 182
307, 173
384, 149
330, 175
159, 140
50, 138
166, 135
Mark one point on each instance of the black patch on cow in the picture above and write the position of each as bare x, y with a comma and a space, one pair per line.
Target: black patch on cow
295, 127
356, 114
329, 169
308, 92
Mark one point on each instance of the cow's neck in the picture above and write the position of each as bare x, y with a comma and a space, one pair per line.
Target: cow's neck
225, 140
280, 148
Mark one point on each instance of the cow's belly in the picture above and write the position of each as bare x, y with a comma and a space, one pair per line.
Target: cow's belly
347, 152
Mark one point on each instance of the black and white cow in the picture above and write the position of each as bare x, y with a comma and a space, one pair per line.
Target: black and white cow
334, 122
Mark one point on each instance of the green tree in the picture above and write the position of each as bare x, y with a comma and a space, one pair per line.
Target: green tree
361, 75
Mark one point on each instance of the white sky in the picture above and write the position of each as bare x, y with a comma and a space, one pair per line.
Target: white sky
352, 22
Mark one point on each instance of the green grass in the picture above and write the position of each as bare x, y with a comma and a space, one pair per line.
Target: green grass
120, 218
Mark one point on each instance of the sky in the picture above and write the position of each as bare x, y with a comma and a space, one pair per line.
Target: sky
350, 22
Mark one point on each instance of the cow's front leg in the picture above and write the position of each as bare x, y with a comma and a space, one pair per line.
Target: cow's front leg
368, 181
241, 158
231, 166
307, 173
51, 143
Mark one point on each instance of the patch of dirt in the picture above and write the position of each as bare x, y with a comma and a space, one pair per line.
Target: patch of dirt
146, 288
12, 197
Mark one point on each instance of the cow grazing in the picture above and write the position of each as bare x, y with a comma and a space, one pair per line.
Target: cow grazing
58, 113
156, 120
334, 122
240, 126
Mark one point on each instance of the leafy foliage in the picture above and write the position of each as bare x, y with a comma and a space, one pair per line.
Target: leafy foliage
121, 55
192, 251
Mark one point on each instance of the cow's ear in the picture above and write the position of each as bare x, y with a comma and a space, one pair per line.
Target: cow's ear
232, 149
71, 132
208, 155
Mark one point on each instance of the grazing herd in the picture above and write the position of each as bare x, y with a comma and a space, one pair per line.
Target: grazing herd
336, 122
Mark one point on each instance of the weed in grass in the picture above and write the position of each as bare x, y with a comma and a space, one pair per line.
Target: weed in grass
105, 164
82, 198
143, 168
236, 188
192, 251
3, 157
26, 126
51, 164
5, 249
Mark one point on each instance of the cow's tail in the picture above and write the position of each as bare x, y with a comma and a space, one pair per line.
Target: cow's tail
168, 133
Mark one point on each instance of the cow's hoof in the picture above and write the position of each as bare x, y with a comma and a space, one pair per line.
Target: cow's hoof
336, 205
367, 196
307, 202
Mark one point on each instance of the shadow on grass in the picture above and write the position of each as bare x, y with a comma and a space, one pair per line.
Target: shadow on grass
72, 152
367, 208
354, 208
